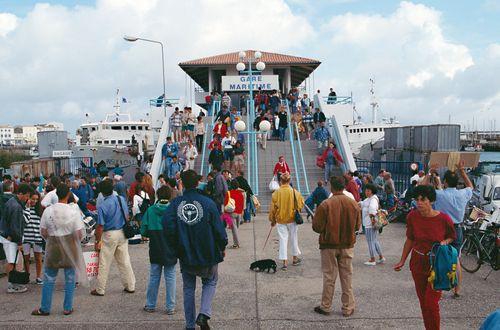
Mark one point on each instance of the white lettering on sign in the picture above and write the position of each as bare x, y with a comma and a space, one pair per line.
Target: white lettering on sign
242, 83
62, 153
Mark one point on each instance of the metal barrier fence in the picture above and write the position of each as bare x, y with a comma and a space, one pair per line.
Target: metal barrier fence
48, 166
400, 171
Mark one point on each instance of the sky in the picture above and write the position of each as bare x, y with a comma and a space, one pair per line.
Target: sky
432, 61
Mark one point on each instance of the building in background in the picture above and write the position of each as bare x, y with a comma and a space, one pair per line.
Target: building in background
6, 135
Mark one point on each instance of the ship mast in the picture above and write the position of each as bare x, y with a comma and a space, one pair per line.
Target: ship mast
373, 102
117, 104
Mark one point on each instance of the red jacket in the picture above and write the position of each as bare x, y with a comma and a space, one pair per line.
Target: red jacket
281, 168
336, 155
220, 129
352, 187
239, 202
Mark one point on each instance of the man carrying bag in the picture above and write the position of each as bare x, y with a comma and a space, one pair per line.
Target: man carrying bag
110, 240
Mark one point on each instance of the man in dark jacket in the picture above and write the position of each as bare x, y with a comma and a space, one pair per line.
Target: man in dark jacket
220, 188
243, 184
162, 256
192, 225
12, 230
216, 156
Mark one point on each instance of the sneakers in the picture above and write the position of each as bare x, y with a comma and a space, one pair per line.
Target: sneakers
149, 309
381, 261
39, 281
370, 263
170, 311
297, 262
13, 288
202, 321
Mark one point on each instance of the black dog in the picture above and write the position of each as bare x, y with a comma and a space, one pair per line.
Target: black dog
263, 265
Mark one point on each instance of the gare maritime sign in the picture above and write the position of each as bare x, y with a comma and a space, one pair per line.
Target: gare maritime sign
242, 83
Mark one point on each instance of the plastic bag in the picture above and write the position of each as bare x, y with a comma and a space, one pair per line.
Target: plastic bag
274, 185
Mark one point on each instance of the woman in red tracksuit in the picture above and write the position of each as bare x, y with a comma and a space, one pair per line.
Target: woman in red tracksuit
238, 194
425, 227
281, 167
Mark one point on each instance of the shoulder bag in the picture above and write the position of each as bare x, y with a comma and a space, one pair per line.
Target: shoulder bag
61, 251
17, 277
129, 230
231, 204
297, 217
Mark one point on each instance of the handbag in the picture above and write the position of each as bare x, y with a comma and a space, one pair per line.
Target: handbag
255, 202
274, 185
320, 162
17, 277
129, 230
297, 217
381, 219
231, 204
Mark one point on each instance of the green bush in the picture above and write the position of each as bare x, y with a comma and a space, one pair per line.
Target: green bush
7, 157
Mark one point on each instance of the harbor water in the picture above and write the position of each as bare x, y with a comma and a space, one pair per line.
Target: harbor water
490, 156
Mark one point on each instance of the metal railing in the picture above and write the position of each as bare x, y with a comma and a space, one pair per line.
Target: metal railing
400, 171
212, 112
294, 156
301, 154
337, 99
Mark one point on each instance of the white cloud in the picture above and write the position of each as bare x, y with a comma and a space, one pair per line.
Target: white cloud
417, 80
8, 23
58, 54
71, 109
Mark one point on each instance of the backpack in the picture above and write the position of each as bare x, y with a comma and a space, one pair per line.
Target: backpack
146, 203
443, 259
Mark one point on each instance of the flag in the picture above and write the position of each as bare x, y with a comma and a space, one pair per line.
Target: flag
159, 100
124, 100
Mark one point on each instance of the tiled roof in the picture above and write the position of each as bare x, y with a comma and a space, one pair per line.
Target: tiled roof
233, 58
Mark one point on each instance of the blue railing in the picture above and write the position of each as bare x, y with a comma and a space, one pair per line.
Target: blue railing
290, 133
337, 99
212, 112
301, 154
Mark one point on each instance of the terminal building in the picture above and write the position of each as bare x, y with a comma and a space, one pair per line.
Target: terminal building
218, 73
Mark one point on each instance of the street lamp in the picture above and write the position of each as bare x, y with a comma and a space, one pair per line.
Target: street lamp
252, 140
133, 39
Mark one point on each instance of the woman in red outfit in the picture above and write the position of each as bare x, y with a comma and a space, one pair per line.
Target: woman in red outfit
281, 167
238, 195
425, 227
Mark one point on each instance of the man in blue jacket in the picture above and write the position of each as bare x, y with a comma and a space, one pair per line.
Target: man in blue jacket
12, 224
192, 226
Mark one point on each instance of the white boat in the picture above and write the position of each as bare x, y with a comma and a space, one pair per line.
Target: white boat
116, 139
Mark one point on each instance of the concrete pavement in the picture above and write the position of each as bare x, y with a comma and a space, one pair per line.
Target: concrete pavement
247, 300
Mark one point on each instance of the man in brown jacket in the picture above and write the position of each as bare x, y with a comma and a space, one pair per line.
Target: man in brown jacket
336, 221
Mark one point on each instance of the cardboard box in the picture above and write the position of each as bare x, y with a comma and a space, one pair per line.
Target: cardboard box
451, 159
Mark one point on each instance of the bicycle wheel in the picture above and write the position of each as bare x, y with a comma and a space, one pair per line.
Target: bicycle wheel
470, 259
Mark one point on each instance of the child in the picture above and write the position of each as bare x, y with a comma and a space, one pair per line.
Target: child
161, 255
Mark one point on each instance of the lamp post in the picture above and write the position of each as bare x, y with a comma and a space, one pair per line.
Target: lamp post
133, 39
252, 139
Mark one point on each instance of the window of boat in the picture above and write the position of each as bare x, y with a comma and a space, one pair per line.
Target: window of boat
99, 142
113, 141
120, 141
125, 128
374, 129
106, 141
127, 141
133, 128
139, 128
116, 127
94, 128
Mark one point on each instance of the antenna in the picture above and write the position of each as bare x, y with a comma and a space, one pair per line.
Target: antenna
373, 103
117, 104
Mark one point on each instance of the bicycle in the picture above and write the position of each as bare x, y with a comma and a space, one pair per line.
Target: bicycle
481, 245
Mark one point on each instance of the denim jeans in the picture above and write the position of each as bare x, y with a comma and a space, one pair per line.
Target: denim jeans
168, 161
49, 280
329, 168
209, 285
154, 285
282, 133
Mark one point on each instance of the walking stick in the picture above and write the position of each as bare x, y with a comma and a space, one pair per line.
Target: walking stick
267, 239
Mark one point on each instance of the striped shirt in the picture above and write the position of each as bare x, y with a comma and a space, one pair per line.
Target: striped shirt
32, 229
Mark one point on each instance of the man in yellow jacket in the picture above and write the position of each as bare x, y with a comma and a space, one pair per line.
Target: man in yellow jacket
284, 202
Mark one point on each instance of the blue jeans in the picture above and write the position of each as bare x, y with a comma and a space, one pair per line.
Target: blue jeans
49, 280
281, 131
166, 164
328, 171
209, 285
389, 201
154, 285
